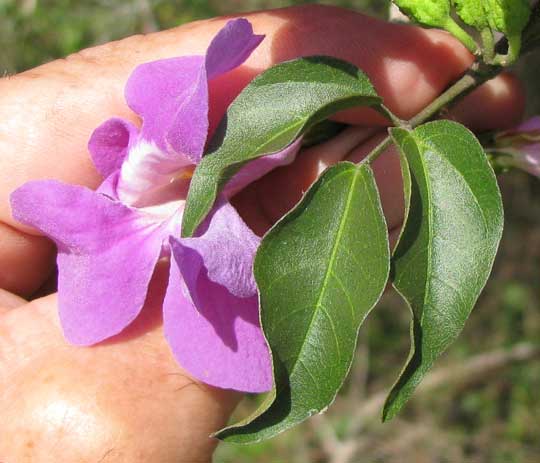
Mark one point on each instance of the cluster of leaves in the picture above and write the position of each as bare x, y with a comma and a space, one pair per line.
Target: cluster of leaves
508, 17
323, 267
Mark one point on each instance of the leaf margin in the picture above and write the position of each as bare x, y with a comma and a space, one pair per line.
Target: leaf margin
227, 434
390, 410
193, 218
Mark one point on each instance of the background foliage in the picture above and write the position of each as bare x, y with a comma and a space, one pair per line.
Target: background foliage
494, 415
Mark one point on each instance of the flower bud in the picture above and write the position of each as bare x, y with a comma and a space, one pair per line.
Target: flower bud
519, 147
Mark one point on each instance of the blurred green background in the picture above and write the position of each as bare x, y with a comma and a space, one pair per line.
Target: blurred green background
491, 413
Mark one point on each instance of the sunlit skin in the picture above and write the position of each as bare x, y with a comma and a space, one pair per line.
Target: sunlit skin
127, 400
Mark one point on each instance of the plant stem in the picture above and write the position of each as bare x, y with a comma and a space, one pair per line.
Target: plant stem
477, 74
382, 109
488, 44
378, 150
474, 77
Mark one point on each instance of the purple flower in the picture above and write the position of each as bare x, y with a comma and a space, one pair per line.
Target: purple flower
520, 147
110, 240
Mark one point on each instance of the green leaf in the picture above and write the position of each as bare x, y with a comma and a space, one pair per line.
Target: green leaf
449, 242
273, 110
472, 13
435, 13
320, 270
507, 16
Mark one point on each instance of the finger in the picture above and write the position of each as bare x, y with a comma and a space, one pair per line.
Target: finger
351, 145
47, 114
387, 171
9, 301
25, 260
80, 403
264, 202
67, 99
498, 104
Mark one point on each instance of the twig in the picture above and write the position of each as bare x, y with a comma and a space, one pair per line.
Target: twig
475, 76
473, 370
321, 424
359, 372
476, 369
325, 433
147, 15
28, 7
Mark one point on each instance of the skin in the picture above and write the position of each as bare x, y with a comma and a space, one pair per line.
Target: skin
126, 400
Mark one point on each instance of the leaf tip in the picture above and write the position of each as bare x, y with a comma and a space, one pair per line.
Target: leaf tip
390, 410
226, 434
234, 435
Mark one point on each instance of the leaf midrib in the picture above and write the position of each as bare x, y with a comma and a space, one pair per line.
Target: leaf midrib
443, 158
427, 284
301, 123
425, 145
222, 168
328, 272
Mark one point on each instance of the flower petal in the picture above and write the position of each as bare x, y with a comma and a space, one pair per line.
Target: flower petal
526, 133
107, 254
109, 186
213, 334
231, 47
109, 144
227, 248
146, 170
188, 130
158, 90
530, 125
171, 95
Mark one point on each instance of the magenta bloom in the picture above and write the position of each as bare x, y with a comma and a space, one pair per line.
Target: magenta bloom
520, 146
110, 240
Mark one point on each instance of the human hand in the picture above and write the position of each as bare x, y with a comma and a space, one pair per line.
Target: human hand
127, 399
